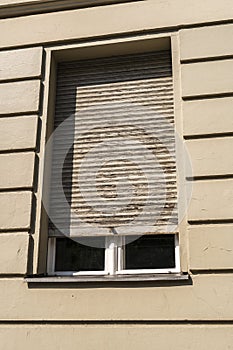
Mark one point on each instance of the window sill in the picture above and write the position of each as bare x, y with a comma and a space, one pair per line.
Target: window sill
108, 278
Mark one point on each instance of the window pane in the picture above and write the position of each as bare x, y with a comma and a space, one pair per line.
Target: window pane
73, 256
151, 252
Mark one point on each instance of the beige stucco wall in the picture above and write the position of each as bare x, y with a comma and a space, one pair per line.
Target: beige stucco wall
193, 315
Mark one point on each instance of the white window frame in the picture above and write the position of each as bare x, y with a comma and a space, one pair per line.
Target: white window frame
122, 271
114, 260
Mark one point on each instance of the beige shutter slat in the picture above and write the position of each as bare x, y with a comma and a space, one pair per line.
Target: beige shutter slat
123, 136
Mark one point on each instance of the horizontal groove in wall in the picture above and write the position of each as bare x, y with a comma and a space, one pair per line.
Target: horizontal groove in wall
17, 189
21, 150
211, 221
208, 136
13, 230
115, 322
20, 114
206, 24
210, 177
11, 275
207, 96
16, 80
207, 59
211, 271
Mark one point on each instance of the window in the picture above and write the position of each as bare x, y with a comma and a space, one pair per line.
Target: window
113, 197
113, 255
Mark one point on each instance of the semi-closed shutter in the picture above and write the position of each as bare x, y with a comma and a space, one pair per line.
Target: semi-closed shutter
119, 176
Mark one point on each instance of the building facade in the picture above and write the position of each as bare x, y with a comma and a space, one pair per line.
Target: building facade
188, 307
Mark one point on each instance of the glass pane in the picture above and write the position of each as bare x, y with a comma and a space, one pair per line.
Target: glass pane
151, 252
74, 256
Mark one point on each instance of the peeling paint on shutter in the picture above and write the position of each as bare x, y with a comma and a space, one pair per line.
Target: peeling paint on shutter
120, 174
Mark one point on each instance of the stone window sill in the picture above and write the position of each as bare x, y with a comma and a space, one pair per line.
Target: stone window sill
107, 278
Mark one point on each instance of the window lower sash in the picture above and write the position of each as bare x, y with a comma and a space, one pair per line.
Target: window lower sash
114, 261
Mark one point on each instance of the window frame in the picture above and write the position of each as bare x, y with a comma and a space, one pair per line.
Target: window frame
93, 49
114, 260
176, 269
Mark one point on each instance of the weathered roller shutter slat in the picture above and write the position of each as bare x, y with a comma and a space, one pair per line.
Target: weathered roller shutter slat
123, 136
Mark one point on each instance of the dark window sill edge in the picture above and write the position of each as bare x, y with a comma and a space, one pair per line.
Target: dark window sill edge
107, 278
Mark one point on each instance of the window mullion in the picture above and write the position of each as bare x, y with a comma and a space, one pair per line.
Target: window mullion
120, 253
111, 255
